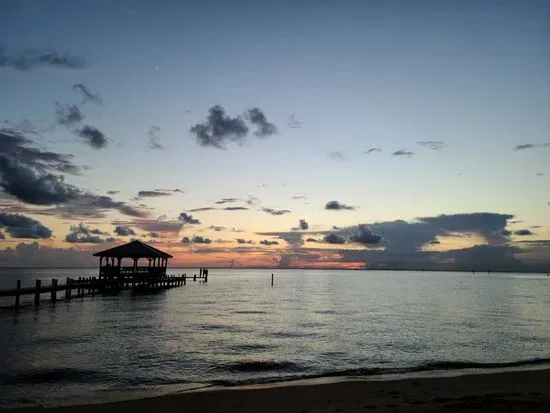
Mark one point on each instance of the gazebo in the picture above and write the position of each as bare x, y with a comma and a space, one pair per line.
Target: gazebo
158, 261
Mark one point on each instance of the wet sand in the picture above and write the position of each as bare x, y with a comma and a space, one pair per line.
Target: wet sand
517, 391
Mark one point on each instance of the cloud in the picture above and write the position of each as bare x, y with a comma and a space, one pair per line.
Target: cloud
298, 197
68, 115
124, 231
311, 240
36, 255
337, 206
219, 128
93, 137
188, 219
235, 208
303, 225
227, 200
203, 209
268, 242
217, 228
20, 226
154, 234
152, 134
30, 59
363, 235
523, 232
112, 192
276, 211
197, 239
403, 152
433, 145
30, 186
257, 118
371, 150
531, 146
186, 240
336, 156
332, 238
293, 122
80, 234
87, 95
107, 202
244, 241
153, 194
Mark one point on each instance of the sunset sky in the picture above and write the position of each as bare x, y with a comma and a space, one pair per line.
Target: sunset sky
287, 133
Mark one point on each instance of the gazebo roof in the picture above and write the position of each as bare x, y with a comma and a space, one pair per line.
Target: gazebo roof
134, 249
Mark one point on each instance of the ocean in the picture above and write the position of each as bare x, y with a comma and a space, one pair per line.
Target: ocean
237, 329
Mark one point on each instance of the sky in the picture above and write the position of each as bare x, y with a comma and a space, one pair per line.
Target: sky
375, 134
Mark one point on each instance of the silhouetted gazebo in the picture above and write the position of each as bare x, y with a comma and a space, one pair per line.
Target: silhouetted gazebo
158, 261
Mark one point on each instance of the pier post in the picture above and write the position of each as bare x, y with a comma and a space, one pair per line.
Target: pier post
272, 280
194, 277
79, 288
93, 286
54, 290
17, 294
184, 279
206, 277
67, 289
37, 293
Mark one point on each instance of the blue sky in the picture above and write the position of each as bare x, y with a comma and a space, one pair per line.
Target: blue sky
469, 77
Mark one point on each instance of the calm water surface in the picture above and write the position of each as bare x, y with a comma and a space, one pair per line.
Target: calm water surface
237, 329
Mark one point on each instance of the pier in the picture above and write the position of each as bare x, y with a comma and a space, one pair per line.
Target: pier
113, 277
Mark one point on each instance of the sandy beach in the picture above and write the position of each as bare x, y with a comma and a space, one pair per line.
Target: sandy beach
517, 391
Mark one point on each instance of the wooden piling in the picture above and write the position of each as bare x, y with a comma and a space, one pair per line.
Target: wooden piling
272, 280
37, 293
17, 295
67, 289
54, 290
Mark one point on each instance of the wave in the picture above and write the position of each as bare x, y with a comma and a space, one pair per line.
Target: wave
261, 366
375, 371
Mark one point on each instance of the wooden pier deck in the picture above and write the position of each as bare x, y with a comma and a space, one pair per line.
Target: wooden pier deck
92, 286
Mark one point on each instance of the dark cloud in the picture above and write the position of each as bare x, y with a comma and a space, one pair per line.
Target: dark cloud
153, 194
186, 240
257, 118
203, 209
87, 95
523, 232
303, 225
371, 150
217, 228
93, 137
268, 242
311, 240
33, 187
80, 234
276, 211
152, 134
363, 235
434, 145
227, 200
154, 234
112, 192
20, 148
435, 242
332, 238
298, 197
2, 236
293, 122
107, 202
235, 209
68, 115
337, 206
188, 219
219, 129
336, 156
197, 239
30, 59
20, 226
124, 231
244, 241
403, 152
36, 255
531, 146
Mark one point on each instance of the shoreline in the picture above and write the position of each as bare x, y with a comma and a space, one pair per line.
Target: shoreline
509, 390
